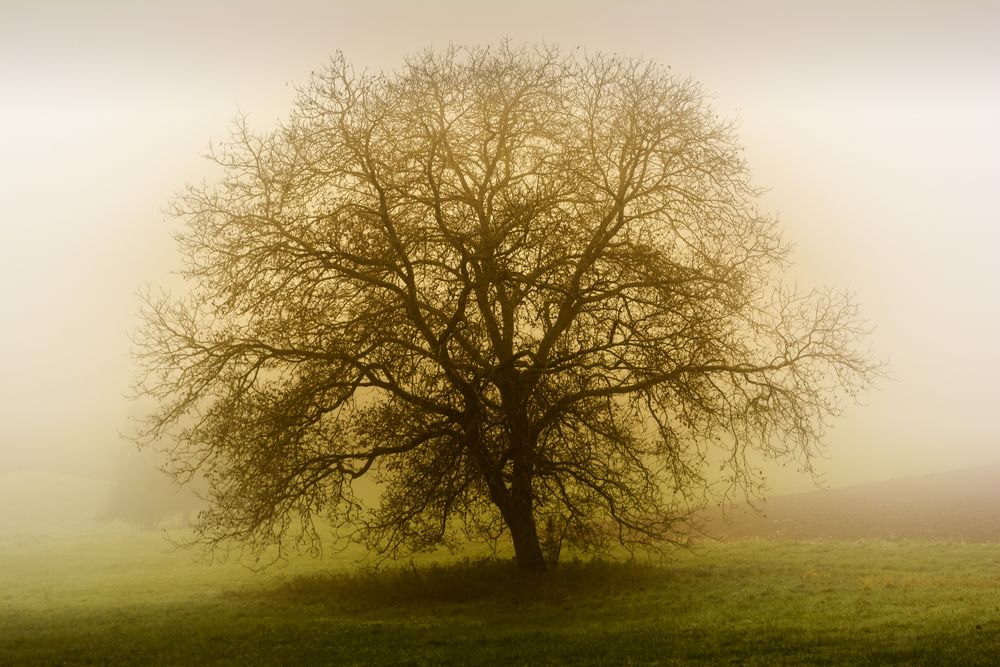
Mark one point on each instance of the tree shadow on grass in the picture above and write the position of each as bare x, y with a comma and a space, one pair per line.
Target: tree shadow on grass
473, 581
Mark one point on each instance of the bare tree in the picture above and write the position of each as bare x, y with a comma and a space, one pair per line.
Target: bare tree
508, 285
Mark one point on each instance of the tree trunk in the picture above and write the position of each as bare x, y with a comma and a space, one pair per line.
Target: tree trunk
527, 549
515, 503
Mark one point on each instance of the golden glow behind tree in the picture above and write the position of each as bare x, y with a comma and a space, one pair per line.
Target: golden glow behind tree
506, 283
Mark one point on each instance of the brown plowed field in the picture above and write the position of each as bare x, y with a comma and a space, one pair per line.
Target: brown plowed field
959, 506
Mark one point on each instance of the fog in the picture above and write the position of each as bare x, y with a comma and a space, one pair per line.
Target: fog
874, 129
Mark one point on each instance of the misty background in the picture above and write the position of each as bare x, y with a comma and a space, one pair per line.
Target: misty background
873, 126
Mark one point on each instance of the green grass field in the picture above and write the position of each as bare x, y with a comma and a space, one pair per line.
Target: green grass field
121, 598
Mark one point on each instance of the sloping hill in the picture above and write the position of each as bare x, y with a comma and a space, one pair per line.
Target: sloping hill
958, 506
36, 501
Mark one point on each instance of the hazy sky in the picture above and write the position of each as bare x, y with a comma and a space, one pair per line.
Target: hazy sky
874, 124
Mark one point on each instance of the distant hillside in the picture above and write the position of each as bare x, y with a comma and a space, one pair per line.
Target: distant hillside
959, 506
35, 501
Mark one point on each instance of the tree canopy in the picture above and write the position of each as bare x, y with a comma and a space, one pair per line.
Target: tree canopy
514, 287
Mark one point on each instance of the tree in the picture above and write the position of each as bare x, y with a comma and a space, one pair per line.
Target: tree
509, 285
142, 495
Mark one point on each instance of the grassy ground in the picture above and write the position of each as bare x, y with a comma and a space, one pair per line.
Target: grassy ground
121, 599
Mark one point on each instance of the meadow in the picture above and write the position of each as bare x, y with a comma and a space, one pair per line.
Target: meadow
122, 597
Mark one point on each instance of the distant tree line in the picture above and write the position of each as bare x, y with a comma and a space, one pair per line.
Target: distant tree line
144, 496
